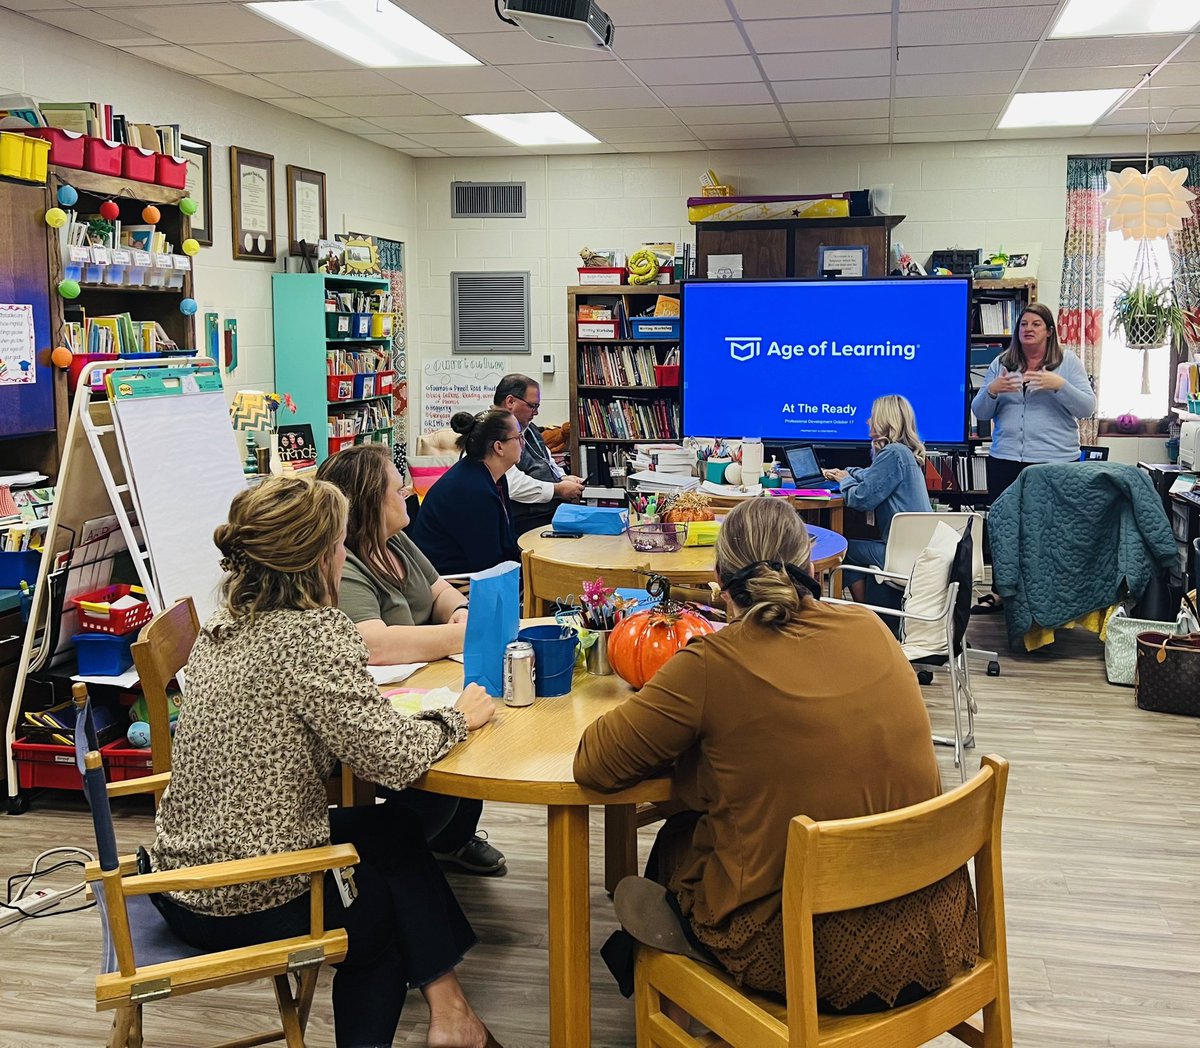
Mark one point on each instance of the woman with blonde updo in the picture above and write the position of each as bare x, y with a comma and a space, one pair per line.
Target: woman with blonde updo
797, 707
277, 692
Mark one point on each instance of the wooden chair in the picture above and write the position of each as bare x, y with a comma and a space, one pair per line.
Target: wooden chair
160, 652
841, 865
143, 961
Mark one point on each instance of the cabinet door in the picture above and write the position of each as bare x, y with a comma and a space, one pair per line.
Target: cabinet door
809, 240
24, 278
763, 251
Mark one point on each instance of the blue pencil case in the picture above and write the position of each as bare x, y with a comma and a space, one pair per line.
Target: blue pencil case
590, 520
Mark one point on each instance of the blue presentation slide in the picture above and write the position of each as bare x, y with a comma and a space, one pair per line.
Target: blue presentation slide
803, 360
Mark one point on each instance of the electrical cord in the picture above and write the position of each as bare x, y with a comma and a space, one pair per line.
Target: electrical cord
26, 880
500, 15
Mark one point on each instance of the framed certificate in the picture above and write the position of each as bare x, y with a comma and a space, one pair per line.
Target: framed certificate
252, 187
838, 261
198, 154
306, 210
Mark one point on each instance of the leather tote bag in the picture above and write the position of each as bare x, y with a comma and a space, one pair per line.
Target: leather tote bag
1120, 641
1168, 673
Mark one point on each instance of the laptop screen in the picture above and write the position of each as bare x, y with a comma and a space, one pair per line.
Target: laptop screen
802, 461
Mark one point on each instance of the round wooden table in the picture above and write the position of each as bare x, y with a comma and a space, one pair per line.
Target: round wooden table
525, 756
553, 568
814, 507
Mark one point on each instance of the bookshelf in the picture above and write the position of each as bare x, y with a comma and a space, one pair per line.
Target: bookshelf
623, 385
313, 344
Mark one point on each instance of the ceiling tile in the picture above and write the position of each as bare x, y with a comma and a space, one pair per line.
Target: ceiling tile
962, 5
491, 102
384, 105
1105, 51
963, 58
665, 12
748, 143
960, 122
749, 9
518, 48
661, 117
29, 6
693, 115
625, 135
855, 109
457, 138
989, 25
1179, 74
1168, 120
456, 17
955, 136
559, 75
659, 147
852, 32
204, 23
1075, 79
355, 125
955, 83
841, 89
581, 100
104, 5
408, 125
823, 65
681, 41
726, 69
841, 140
391, 140
1159, 95
342, 82
714, 94
307, 107
447, 81
245, 84
282, 57
950, 105
96, 27
423, 151
180, 59
713, 132
808, 128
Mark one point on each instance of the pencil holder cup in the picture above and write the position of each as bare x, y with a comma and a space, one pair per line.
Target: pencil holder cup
714, 470
553, 658
772, 480
596, 659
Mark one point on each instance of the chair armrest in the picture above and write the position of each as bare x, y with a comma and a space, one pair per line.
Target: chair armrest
874, 571
243, 871
146, 784
897, 613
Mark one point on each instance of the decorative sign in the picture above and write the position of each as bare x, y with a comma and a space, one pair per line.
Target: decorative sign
297, 448
16, 346
450, 384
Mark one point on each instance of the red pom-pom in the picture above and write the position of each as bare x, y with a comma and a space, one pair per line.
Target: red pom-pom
110, 211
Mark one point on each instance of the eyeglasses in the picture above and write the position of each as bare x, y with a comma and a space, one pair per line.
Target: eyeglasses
535, 408
519, 436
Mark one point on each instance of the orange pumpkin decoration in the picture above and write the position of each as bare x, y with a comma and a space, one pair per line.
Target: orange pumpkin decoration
641, 643
688, 506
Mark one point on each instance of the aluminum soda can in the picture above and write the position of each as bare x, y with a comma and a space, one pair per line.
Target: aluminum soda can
518, 673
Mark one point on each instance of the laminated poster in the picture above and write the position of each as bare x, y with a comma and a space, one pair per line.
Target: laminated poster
451, 384
16, 345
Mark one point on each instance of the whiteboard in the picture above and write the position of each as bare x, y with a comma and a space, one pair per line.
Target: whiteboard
184, 467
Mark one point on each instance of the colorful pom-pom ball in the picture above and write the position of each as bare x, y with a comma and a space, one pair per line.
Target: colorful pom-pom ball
61, 357
138, 734
191, 246
68, 288
188, 206
188, 307
56, 217
151, 214
110, 211
68, 196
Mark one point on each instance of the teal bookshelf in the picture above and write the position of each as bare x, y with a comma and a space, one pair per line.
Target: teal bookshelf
302, 348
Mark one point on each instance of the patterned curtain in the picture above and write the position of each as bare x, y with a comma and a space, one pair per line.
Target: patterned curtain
1185, 256
1081, 297
391, 260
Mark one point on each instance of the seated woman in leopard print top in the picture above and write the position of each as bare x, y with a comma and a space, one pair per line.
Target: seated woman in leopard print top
277, 691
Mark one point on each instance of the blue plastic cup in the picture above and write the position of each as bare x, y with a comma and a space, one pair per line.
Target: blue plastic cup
553, 658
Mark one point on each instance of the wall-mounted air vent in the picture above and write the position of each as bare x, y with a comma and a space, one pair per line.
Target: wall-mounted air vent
487, 199
490, 312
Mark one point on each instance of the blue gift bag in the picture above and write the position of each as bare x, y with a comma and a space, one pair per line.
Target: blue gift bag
492, 623
590, 520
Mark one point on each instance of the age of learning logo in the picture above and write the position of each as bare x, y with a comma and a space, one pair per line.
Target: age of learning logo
744, 348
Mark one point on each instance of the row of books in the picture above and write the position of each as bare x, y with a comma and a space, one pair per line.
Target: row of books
620, 418
617, 365
956, 470
356, 362
996, 316
358, 301
372, 416
119, 333
96, 119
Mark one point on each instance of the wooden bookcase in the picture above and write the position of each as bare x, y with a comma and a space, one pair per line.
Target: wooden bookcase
651, 413
302, 350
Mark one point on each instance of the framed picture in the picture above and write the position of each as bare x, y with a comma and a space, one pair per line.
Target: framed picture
252, 188
1023, 261
361, 255
198, 186
306, 209
838, 261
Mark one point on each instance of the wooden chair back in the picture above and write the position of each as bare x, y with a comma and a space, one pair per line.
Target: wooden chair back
159, 653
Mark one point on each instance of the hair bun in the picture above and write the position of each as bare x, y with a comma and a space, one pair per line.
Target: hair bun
463, 422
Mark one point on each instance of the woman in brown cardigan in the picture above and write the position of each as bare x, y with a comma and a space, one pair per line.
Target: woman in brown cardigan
796, 707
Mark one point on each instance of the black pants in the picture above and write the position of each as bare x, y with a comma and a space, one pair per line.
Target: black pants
529, 515
405, 928
1001, 473
447, 822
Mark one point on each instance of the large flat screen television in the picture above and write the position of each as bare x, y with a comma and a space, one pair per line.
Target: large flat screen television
802, 360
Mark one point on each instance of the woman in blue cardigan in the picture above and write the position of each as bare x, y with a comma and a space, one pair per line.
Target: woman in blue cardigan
893, 483
465, 522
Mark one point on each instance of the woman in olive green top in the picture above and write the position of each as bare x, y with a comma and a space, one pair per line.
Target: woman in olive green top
405, 613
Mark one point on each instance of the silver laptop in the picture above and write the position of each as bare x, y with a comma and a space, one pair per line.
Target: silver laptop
806, 468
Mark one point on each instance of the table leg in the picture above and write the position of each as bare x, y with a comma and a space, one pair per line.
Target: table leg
527, 577
568, 883
835, 519
620, 844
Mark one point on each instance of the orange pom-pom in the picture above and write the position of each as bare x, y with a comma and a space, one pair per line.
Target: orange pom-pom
61, 357
151, 214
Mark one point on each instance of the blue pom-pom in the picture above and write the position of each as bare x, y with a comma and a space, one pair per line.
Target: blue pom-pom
68, 196
187, 307
138, 734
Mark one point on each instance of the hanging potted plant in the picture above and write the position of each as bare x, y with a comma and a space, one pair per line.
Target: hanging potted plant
1146, 313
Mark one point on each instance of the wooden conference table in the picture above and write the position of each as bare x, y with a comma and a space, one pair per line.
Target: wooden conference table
525, 756
554, 568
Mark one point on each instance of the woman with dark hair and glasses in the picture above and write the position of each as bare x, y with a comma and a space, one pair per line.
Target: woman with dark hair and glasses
797, 707
465, 523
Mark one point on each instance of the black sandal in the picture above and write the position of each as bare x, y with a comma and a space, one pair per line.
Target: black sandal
988, 604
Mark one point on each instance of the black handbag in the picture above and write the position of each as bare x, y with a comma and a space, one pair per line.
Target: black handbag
1167, 679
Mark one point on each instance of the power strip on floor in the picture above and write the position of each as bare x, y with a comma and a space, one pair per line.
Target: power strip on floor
34, 902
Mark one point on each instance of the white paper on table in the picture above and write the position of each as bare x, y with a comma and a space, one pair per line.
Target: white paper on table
394, 674
458, 657
126, 680
420, 702
732, 491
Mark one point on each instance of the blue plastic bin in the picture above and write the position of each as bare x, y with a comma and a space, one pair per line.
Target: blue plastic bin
16, 568
103, 655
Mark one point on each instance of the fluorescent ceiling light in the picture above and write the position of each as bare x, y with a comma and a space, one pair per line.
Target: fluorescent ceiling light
1059, 108
1126, 17
369, 32
534, 129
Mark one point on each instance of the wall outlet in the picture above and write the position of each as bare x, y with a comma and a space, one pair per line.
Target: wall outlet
547, 363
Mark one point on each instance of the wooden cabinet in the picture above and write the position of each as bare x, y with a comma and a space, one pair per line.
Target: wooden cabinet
789, 249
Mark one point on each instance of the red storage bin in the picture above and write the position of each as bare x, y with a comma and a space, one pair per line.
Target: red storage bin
46, 764
337, 443
117, 623
139, 164
77, 364
66, 147
102, 156
340, 387
170, 171
384, 381
666, 374
122, 761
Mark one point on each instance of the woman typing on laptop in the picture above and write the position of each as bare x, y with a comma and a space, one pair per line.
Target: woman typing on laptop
893, 483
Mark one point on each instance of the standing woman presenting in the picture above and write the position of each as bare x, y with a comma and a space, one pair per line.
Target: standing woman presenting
1035, 394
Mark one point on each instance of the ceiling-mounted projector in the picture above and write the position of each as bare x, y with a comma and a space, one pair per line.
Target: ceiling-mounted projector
576, 23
